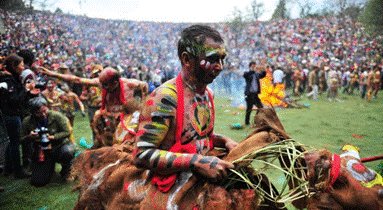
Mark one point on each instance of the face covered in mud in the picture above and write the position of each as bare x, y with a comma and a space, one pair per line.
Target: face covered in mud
209, 64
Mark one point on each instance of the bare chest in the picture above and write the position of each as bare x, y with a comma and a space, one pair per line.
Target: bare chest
198, 117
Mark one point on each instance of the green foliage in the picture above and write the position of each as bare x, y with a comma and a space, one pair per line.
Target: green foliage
12, 4
237, 24
58, 11
280, 12
353, 11
372, 17
325, 124
257, 9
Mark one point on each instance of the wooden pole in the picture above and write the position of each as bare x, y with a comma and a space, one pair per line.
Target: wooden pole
373, 158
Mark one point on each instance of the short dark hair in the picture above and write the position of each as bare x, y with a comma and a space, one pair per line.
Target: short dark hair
194, 36
37, 102
252, 63
28, 56
11, 63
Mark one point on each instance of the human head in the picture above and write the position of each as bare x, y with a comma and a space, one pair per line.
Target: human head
27, 76
14, 64
51, 84
65, 87
109, 78
28, 57
63, 68
96, 69
39, 107
201, 50
252, 65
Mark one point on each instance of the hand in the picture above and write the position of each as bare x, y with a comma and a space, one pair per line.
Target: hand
212, 167
230, 144
34, 136
45, 71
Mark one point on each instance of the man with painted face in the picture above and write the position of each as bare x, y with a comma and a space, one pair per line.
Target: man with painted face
52, 95
176, 127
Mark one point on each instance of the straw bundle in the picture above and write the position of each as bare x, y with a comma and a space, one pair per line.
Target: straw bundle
263, 161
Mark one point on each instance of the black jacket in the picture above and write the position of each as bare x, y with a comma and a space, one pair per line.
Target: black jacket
13, 98
248, 78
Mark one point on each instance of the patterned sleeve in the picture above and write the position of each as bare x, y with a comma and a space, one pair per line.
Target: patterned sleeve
157, 116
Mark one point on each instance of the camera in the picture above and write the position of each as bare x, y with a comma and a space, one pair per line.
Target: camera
44, 141
40, 83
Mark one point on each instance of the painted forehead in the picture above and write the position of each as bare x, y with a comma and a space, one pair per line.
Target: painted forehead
221, 51
208, 50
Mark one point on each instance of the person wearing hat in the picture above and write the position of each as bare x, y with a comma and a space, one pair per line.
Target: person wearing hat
59, 149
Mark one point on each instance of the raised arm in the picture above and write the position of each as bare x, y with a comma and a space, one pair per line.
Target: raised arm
80, 104
70, 78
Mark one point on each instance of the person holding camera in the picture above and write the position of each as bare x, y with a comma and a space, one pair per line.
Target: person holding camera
49, 130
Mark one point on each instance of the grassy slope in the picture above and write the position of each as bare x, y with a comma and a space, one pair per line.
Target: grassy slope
324, 125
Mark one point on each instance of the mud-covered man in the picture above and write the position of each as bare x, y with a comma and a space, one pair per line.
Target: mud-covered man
176, 127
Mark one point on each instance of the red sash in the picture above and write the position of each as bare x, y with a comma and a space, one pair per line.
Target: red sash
166, 182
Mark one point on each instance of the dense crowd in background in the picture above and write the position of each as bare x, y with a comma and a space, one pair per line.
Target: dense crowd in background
146, 50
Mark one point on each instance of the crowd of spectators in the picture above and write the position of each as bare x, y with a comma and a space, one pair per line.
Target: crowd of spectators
146, 50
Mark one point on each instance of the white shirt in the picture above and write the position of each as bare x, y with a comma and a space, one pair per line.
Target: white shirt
278, 76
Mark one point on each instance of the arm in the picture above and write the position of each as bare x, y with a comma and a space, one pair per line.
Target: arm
84, 94
71, 78
80, 104
262, 74
62, 127
27, 131
157, 117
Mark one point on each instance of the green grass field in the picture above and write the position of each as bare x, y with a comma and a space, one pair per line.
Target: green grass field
323, 125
